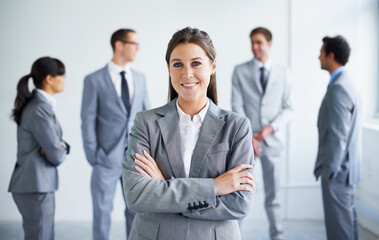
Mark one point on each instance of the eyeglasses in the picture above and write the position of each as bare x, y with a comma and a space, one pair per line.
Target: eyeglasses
128, 42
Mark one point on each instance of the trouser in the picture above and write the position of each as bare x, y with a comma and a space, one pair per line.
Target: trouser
271, 161
37, 210
103, 188
339, 210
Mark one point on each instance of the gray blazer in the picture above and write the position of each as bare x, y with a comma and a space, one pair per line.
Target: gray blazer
339, 149
273, 107
105, 120
181, 207
39, 128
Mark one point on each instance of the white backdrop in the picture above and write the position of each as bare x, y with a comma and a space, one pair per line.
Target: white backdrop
78, 33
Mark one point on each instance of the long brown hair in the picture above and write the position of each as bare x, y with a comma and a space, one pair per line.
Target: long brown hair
202, 39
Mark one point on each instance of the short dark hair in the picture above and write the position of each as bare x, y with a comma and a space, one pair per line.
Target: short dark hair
339, 46
120, 35
264, 31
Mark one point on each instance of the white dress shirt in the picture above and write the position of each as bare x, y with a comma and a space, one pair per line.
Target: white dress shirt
189, 132
114, 71
267, 69
50, 99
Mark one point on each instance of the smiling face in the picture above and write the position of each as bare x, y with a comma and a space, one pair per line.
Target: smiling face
190, 69
260, 46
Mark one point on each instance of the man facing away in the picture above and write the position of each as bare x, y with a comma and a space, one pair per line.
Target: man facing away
339, 151
261, 90
112, 96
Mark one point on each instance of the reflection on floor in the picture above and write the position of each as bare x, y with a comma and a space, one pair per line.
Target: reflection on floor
251, 230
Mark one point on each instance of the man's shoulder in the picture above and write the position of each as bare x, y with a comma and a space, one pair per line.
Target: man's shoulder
97, 73
279, 67
244, 65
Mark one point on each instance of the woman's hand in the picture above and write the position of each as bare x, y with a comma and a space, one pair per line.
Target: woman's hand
147, 166
63, 145
233, 180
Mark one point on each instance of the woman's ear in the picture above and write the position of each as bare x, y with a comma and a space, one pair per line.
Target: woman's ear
214, 63
48, 80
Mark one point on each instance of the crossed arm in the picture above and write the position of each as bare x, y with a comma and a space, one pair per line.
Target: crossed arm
227, 196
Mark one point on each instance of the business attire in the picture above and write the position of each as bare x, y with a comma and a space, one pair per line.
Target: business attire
185, 206
262, 93
35, 176
107, 115
339, 156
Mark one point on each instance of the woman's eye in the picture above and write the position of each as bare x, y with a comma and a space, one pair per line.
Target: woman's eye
177, 65
196, 63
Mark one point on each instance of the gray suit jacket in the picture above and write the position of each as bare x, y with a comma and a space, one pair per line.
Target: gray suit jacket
273, 107
105, 120
181, 207
339, 151
39, 128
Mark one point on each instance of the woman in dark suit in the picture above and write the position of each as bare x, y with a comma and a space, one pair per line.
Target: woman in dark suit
200, 182
40, 148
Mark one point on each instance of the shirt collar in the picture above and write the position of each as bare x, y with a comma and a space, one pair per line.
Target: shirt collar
50, 99
266, 65
335, 73
114, 68
197, 118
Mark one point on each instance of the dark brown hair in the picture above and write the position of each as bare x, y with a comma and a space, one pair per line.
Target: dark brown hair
202, 39
41, 68
120, 35
262, 30
339, 46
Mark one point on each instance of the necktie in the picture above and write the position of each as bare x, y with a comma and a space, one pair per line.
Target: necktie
263, 79
125, 91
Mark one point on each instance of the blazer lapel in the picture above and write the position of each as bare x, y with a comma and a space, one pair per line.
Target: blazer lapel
253, 74
57, 126
112, 88
169, 127
209, 130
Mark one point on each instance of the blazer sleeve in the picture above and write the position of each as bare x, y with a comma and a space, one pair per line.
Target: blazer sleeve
237, 92
154, 195
88, 115
340, 108
42, 125
286, 111
234, 205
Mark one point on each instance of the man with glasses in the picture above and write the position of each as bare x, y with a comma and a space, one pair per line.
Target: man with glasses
112, 96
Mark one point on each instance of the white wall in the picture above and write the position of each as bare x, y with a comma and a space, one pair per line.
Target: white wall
78, 32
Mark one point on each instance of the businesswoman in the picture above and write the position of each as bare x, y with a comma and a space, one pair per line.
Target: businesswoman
40, 148
187, 168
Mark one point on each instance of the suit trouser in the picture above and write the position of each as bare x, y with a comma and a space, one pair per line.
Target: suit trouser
103, 187
339, 210
37, 210
271, 161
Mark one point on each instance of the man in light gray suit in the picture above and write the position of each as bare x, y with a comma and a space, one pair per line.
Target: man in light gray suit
261, 91
111, 97
339, 152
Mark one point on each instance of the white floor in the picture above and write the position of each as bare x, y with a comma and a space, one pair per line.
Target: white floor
251, 230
